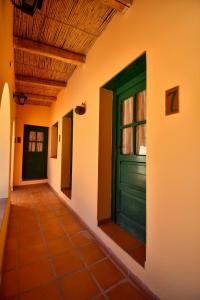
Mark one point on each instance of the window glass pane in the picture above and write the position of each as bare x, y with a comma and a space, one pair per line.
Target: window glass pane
127, 140
39, 147
40, 136
141, 140
127, 111
32, 136
31, 147
141, 106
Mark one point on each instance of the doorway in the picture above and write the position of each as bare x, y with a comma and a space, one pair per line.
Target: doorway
35, 149
67, 153
123, 206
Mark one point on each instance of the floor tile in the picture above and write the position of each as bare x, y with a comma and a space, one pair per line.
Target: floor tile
30, 239
91, 253
28, 255
53, 233
41, 227
101, 297
82, 238
47, 292
67, 263
10, 260
73, 227
125, 291
58, 246
106, 273
10, 284
11, 244
35, 275
79, 286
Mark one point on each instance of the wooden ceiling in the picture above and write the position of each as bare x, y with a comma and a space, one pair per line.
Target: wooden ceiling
49, 46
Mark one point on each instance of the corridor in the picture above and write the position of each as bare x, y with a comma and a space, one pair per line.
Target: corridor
50, 254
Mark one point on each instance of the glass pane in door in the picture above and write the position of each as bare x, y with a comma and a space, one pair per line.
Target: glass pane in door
127, 111
40, 136
141, 140
141, 106
127, 140
32, 136
39, 147
31, 146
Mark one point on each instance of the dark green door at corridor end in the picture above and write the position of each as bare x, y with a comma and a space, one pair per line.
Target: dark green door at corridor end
35, 151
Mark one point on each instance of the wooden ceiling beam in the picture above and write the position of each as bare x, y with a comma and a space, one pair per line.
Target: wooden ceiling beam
40, 81
48, 51
40, 97
120, 5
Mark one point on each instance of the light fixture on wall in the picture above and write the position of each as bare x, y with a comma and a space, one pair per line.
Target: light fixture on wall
80, 109
28, 6
20, 98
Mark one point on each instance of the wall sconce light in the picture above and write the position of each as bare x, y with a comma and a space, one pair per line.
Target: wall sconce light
28, 6
20, 98
80, 109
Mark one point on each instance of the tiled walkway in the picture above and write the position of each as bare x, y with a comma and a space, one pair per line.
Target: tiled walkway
50, 255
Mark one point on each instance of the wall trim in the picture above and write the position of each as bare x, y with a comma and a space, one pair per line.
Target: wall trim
135, 280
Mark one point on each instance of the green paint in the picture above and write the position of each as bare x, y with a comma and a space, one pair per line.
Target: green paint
129, 171
34, 163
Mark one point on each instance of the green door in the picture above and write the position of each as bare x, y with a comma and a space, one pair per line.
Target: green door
130, 166
35, 152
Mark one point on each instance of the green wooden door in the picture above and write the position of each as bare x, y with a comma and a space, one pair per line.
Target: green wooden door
130, 166
35, 152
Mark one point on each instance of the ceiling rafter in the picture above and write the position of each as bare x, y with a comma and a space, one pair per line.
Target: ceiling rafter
120, 5
37, 48
40, 97
39, 81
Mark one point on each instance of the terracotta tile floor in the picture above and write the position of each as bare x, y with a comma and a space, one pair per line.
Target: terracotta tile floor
50, 255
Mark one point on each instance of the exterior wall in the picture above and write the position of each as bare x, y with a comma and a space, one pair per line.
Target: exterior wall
30, 115
6, 76
169, 33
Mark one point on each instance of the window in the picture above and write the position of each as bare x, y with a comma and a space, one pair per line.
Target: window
54, 140
36, 140
133, 129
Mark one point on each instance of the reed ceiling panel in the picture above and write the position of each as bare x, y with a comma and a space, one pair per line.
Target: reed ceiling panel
41, 67
66, 24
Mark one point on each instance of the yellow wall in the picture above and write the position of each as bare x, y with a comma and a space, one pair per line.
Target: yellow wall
6, 76
30, 115
169, 33
5, 129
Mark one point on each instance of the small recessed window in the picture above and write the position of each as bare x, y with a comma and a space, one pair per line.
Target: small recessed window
54, 140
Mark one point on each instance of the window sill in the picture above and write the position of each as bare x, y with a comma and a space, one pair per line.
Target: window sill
3, 202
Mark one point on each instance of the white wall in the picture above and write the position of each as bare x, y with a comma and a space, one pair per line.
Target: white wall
169, 33
4, 142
